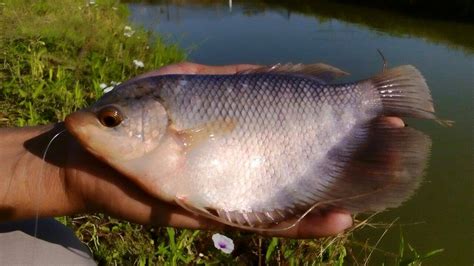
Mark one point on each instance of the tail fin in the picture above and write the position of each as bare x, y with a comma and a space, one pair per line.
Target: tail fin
404, 93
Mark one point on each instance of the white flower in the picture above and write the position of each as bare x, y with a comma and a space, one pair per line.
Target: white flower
92, 2
109, 89
138, 63
223, 243
127, 31
201, 255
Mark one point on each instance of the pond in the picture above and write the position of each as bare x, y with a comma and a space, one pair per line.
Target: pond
269, 32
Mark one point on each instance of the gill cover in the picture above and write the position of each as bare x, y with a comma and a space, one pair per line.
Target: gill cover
119, 129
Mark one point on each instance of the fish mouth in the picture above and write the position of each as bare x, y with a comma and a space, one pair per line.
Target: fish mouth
81, 125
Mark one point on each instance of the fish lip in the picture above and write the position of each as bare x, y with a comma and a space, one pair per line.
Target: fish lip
80, 119
79, 123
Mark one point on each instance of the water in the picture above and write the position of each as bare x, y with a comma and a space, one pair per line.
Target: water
440, 214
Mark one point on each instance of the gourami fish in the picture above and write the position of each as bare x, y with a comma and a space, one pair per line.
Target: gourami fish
261, 146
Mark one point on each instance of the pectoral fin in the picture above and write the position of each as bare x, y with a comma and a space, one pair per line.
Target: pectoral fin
193, 137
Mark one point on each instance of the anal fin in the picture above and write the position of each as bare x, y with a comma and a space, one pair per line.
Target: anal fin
383, 167
254, 221
202, 211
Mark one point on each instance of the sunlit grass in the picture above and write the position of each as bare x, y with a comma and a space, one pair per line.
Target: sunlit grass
58, 56
55, 54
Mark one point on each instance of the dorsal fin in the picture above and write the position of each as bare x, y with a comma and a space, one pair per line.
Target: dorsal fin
321, 71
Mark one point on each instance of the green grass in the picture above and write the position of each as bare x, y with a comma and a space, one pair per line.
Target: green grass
55, 54
53, 57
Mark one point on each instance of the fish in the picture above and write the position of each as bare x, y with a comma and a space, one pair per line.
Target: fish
262, 146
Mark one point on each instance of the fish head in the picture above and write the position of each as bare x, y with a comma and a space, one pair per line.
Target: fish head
119, 128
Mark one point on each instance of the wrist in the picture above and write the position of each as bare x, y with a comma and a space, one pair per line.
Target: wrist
31, 186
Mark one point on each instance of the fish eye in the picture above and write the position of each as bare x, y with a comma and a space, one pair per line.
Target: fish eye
109, 116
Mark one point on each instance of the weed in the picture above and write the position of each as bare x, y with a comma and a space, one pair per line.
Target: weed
414, 258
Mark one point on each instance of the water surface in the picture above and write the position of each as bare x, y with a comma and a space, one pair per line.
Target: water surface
440, 214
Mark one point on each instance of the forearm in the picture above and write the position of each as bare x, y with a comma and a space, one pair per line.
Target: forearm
29, 185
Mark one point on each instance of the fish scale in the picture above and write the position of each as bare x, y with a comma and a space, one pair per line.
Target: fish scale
296, 103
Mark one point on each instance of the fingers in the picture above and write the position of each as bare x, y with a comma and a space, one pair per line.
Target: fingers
315, 225
312, 226
396, 122
329, 224
180, 218
193, 68
228, 69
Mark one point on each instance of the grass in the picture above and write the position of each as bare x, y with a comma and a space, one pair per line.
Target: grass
54, 56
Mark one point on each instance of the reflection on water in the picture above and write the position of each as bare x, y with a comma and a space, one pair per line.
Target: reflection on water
452, 33
456, 34
347, 37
